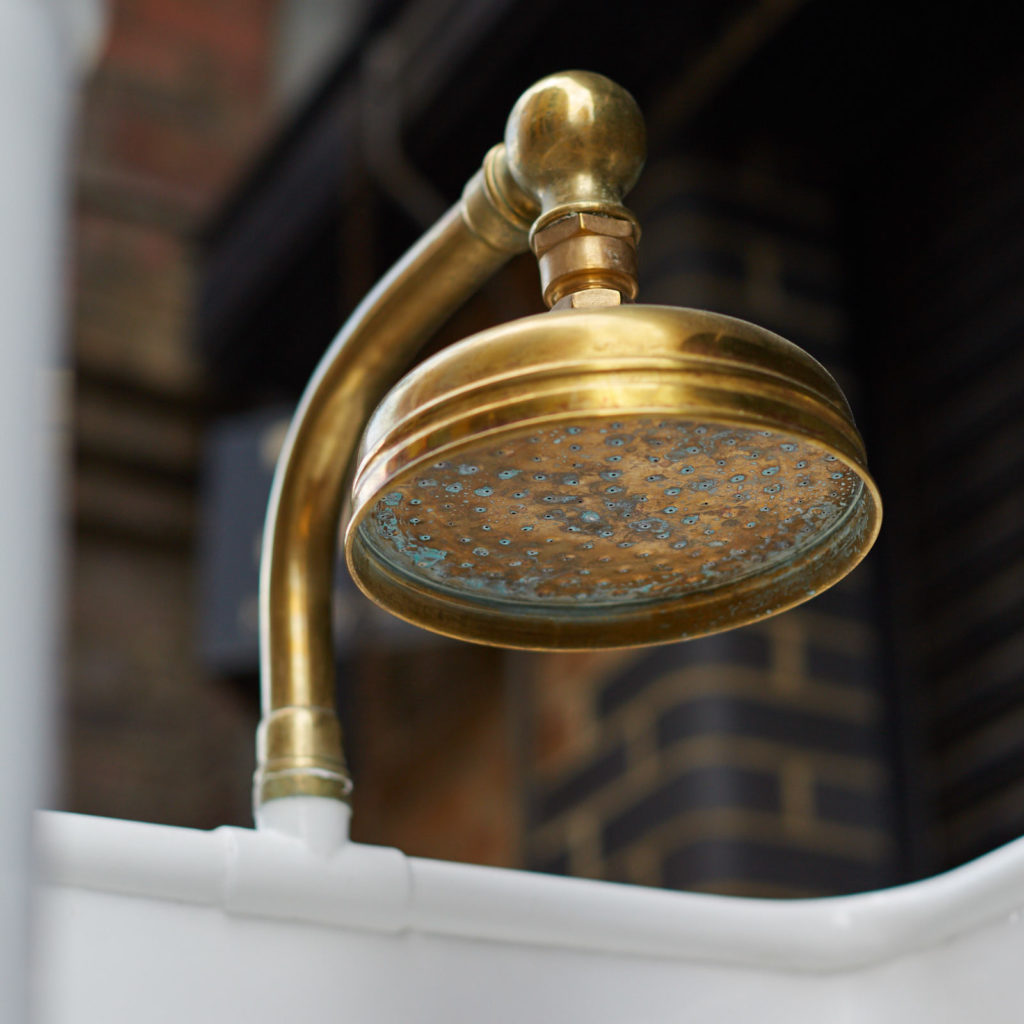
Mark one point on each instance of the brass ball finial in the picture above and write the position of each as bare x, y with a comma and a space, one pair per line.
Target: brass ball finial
576, 139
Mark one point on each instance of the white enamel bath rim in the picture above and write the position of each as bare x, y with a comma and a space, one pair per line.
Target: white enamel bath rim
267, 875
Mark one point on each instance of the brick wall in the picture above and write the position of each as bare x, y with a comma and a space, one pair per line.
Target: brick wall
763, 761
174, 108
433, 752
943, 252
752, 762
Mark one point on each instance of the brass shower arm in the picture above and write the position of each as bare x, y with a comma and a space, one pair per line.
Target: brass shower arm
574, 145
299, 743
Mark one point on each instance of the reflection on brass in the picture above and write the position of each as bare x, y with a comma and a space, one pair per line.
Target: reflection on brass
589, 298
300, 536
300, 752
608, 478
600, 475
576, 142
582, 251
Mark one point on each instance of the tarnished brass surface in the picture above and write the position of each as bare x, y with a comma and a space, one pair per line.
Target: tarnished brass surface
584, 251
605, 478
296, 752
299, 750
590, 298
576, 141
617, 474
575, 124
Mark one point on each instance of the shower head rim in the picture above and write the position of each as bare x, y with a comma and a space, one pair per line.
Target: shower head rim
513, 626
385, 457
560, 326
686, 366
571, 628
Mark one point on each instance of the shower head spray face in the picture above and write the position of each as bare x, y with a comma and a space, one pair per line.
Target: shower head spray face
606, 478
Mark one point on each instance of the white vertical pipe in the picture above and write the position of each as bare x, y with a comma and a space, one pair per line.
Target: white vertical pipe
320, 823
40, 42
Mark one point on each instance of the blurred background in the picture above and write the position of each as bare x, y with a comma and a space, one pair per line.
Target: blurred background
846, 174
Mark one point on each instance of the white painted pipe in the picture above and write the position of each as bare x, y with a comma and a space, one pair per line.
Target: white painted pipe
41, 42
320, 823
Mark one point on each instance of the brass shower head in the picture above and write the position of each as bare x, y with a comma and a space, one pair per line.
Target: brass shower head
600, 475
609, 477
604, 475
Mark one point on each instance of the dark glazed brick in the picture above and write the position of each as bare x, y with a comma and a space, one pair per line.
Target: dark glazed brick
847, 602
557, 865
987, 832
960, 646
715, 860
735, 212
818, 283
828, 666
852, 807
710, 261
580, 785
986, 776
730, 715
717, 786
981, 701
741, 647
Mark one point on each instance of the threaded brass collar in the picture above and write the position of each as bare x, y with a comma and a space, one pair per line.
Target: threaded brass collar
580, 251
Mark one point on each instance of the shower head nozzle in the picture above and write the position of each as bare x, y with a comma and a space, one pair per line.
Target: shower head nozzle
607, 478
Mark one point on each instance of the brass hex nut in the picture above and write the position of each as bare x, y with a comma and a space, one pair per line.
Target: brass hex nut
574, 224
583, 251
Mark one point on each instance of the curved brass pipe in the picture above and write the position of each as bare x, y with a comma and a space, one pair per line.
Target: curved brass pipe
299, 744
575, 144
